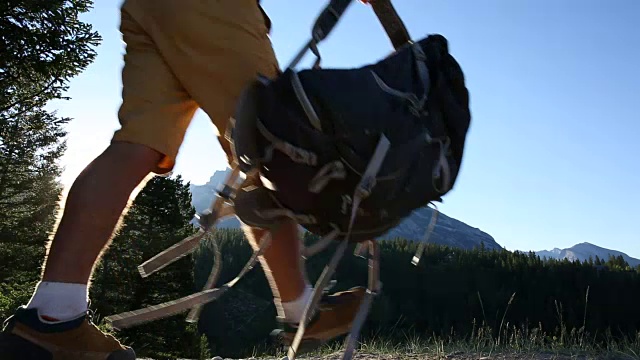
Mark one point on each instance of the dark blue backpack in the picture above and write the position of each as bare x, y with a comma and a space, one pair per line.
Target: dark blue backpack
355, 151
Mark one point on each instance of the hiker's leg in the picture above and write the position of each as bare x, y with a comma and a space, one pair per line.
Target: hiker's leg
223, 46
215, 70
154, 115
283, 266
93, 206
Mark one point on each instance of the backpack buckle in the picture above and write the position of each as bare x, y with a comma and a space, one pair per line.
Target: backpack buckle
207, 219
365, 187
225, 191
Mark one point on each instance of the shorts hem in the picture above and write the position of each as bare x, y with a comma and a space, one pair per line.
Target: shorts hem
165, 166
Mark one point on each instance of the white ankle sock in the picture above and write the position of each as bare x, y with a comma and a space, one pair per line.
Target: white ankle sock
59, 301
291, 311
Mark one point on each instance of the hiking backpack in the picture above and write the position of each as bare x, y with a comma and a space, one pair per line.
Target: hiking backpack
347, 153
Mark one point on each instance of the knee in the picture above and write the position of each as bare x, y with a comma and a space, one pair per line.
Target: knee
133, 156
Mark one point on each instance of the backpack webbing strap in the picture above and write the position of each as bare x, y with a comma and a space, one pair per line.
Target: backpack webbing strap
219, 210
325, 22
373, 289
312, 304
295, 153
391, 22
362, 191
179, 250
154, 312
296, 84
328, 18
384, 10
425, 237
194, 314
321, 244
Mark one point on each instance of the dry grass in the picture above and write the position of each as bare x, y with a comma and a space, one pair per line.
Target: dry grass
509, 342
516, 346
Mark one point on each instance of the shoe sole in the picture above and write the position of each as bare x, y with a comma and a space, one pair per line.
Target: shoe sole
13, 347
284, 339
306, 345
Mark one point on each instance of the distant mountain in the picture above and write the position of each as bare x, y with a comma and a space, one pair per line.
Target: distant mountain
448, 231
582, 252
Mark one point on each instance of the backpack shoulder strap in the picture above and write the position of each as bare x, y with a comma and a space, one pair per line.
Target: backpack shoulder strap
391, 22
331, 14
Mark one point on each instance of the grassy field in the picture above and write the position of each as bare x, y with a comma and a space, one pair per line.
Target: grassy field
516, 348
474, 349
511, 343
504, 342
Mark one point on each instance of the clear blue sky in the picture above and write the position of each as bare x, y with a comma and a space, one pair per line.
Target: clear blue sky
552, 154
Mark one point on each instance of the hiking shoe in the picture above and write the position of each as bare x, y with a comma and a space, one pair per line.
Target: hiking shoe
27, 336
333, 318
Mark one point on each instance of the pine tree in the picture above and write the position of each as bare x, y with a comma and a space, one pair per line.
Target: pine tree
158, 218
598, 261
44, 45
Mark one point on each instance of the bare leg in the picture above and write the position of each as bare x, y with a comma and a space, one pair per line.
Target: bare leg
281, 261
93, 208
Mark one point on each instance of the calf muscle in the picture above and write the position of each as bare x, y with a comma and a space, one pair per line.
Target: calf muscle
93, 208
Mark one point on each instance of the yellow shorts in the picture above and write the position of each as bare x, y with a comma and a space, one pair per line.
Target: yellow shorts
184, 55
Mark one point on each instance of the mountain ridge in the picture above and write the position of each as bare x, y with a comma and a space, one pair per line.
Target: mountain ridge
582, 251
448, 231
